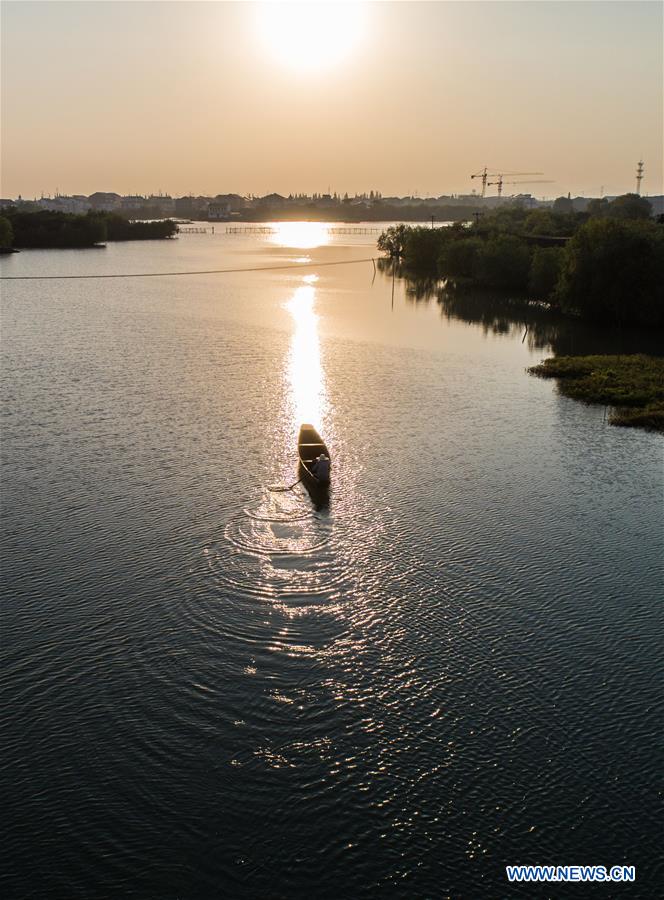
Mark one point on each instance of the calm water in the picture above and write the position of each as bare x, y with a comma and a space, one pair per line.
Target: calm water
211, 690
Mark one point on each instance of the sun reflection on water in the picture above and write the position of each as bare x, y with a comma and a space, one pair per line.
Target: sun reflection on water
305, 370
300, 235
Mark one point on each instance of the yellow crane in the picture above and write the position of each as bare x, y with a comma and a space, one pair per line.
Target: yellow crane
500, 181
484, 174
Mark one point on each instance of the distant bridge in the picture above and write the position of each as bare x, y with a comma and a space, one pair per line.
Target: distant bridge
267, 229
249, 229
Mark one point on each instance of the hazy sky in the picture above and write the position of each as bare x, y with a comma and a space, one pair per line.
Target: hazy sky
403, 97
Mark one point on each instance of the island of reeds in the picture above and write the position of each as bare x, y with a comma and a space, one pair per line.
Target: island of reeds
633, 385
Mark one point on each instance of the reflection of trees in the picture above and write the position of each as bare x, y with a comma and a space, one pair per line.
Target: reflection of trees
422, 289
498, 314
417, 289
540, 327
388, 266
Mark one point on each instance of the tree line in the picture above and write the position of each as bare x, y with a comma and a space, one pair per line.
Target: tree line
50, 229
606, 264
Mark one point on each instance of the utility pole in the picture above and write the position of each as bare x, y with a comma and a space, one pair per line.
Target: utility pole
639, 177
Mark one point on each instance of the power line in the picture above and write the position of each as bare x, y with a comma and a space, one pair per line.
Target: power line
316, 265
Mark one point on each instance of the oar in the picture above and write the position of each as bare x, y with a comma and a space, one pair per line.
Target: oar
289, 488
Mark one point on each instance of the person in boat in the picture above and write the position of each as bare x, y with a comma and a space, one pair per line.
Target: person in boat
321, 467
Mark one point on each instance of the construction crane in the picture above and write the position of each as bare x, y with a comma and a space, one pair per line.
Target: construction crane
484, 174
501, 182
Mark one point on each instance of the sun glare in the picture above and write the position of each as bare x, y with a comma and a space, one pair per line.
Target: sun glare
300, 235
311, 36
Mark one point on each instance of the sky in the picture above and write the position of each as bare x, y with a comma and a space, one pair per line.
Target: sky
399, 97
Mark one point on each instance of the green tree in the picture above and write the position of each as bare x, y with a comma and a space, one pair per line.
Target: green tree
613, 271
459, 257
392, 240
503, 262
545, 269
6, 233
44, 228
422, 248
118, 228
507, 218
540, 221
629, 206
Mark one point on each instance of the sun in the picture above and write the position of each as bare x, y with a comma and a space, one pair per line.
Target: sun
311, 36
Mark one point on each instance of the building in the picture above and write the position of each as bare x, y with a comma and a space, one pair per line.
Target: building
163, 202
219, 210
77, 204
272, 201
192, 207
105, 201
133, 201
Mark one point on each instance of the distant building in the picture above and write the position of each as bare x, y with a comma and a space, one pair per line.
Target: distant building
163, 202
325, 201
133, 201
235, 201
296, 200
580, 204
192, 207
77, 204
274, 201
526, 200
219, 210
105, 201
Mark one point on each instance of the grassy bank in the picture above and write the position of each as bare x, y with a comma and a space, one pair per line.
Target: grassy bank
632, 385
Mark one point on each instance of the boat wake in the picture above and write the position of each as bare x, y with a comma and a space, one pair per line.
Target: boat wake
277, 551
282, 524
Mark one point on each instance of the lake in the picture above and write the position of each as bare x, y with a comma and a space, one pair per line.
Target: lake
212, 689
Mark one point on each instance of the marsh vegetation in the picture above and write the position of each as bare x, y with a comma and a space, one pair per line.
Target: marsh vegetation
632, 385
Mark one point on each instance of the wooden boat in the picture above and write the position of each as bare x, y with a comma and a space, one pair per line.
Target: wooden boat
310, 445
